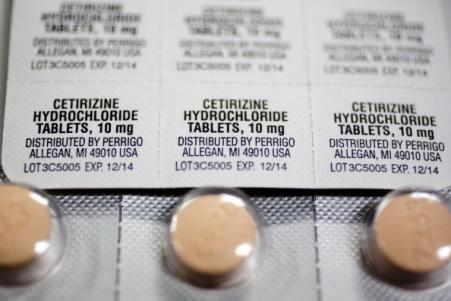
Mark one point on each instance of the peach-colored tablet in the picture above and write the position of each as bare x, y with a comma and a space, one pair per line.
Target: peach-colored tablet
25, 225
213, 235
411, 238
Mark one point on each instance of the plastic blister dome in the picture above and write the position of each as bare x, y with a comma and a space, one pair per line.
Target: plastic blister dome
32, 235
214, 238
409, 238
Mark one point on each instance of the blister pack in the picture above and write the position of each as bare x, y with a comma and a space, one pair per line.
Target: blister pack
128, 123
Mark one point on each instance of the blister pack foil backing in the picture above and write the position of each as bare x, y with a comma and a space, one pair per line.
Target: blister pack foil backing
313, 252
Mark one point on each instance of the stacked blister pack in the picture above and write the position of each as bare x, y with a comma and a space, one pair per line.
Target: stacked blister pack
127, 123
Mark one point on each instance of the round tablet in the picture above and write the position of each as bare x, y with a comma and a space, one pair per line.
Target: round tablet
25, 225
213, 235
411, 237
413, 231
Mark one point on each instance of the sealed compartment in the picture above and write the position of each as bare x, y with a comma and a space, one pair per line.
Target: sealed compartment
408, 239
214, 238
32, 235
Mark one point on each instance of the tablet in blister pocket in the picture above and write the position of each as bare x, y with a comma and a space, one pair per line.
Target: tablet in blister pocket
408, 241
214, 238
32, 235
